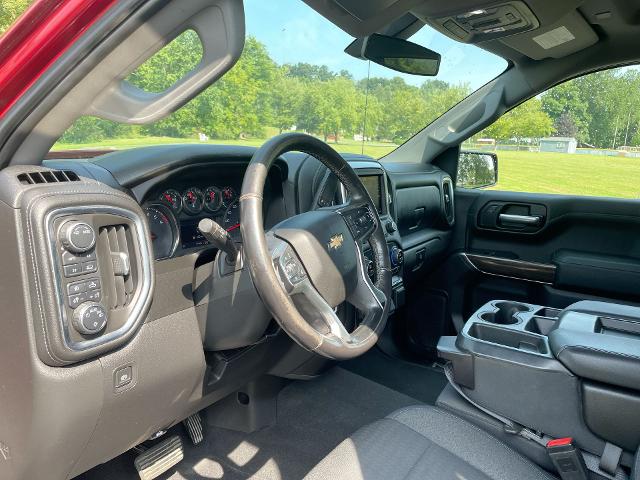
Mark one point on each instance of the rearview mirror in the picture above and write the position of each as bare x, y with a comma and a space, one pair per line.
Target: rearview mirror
477, 169
396, 54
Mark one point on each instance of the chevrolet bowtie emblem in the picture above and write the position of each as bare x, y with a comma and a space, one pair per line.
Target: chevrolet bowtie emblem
335, 242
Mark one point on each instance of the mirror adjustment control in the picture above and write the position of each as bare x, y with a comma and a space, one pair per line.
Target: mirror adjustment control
77, 237
89, 318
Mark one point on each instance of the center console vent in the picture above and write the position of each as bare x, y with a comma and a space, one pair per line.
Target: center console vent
114, 245
447, 201
48, 176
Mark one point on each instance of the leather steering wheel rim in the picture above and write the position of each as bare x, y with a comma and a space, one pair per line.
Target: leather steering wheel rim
258, 251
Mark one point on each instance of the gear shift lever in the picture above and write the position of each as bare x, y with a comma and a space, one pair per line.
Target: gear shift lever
219, 238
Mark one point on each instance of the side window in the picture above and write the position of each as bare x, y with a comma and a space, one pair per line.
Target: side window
581, 137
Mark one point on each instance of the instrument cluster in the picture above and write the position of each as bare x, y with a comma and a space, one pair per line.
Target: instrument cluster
174, 214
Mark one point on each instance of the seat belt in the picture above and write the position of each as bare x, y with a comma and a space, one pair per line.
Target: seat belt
593, 463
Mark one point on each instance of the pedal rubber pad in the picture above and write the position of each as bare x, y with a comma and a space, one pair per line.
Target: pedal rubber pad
159, 458
193, 424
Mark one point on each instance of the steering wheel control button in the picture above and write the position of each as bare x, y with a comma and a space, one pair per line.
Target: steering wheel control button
90, 318
72, 270
68, 257
292, 268
391, 227
77, 237
360, 221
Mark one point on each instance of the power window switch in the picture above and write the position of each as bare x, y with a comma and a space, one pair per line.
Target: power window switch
76, 300
72, 270
123, 376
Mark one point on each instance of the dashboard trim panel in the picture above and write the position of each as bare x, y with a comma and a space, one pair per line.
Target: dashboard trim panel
138, 311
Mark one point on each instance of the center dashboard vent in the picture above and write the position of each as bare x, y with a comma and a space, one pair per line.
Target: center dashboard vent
48, 176
115, 241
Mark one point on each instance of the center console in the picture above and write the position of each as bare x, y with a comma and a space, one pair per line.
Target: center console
572, 372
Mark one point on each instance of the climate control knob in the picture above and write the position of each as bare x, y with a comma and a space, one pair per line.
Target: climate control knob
396, 255
77, 237
90, 318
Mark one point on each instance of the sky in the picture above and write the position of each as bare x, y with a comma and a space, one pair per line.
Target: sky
293, 32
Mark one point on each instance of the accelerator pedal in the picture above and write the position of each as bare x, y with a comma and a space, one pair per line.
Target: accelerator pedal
193, 424
158, 459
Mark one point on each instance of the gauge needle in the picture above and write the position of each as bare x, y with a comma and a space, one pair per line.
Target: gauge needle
231, 229
168, 198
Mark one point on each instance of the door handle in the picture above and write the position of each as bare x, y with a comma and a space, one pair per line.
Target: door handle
528, 220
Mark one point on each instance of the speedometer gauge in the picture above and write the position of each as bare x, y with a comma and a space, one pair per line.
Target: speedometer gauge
193, 200
164, 230
231, 221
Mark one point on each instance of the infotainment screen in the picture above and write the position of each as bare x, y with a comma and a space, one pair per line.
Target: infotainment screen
373, 184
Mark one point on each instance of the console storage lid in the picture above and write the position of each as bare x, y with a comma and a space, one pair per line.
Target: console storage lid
600, 341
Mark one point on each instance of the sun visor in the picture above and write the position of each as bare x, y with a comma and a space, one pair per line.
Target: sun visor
568, 35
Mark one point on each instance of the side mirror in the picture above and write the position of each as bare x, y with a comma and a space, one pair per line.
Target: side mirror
477, 169
396, 54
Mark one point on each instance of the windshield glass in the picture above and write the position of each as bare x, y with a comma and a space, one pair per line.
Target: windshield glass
294, 76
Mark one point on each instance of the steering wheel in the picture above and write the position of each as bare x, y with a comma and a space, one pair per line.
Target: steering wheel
309, 264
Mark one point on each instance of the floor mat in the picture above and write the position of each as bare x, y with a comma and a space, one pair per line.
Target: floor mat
313, 417
421, 382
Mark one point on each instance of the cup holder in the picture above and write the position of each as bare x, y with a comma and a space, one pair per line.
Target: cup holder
505, 314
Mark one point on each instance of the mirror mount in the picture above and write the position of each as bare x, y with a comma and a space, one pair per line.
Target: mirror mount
396, 54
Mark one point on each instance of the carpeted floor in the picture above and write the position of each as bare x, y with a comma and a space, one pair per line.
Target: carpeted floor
313, 417
421, 382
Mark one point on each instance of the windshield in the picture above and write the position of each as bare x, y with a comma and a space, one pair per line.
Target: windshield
294, 76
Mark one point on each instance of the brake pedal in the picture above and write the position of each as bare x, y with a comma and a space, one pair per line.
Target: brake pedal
159, 458
193, 424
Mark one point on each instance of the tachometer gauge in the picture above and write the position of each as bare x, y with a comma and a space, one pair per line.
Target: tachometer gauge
213, 199
193, 201
173, 199
231, 220
164, 230
228, 196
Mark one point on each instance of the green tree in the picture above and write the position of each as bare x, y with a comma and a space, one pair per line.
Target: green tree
10, 10
528, 120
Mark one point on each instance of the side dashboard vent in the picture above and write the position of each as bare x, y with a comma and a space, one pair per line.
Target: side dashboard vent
447, 200
48, 176
119, 275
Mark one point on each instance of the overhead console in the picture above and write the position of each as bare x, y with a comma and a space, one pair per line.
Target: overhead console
586, 359
90, 262
480, 24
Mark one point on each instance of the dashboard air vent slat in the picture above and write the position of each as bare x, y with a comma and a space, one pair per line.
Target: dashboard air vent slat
447, 200
115, 245
48, 176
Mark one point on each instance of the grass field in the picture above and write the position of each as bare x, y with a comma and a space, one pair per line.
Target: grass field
518, 171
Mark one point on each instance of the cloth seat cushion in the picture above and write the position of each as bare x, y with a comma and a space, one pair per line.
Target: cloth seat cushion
424, 443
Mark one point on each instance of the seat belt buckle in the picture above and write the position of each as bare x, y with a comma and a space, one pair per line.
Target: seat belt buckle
567, 459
